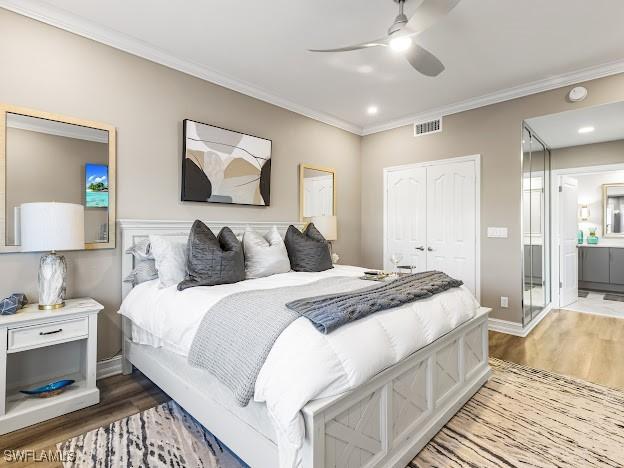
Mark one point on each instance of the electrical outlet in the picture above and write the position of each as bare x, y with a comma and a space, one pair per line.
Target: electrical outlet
504, 302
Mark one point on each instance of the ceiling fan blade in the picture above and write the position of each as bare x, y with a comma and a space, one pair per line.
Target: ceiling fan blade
428, 13
363, 45
424, 61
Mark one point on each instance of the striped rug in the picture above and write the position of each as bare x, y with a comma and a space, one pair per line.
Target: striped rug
521, 417
524, 417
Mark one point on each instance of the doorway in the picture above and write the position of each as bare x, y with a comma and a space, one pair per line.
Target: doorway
586, 190
432, 218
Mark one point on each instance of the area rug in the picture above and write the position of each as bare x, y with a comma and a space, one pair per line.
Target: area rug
163, 436
522, 417
614, 297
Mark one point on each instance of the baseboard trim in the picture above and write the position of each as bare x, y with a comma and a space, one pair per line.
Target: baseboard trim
514, 328
108, 368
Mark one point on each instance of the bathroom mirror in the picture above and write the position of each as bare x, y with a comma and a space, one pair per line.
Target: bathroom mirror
46, 157
317, 191
613, 210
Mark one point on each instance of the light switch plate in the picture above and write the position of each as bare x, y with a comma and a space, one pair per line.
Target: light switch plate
498, 232
504, 302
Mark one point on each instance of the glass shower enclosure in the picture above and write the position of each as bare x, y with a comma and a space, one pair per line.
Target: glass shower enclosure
536, 235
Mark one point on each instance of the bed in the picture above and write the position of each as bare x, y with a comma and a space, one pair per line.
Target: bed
381, 415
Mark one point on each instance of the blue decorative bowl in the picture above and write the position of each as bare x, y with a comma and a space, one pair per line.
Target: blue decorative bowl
49, 390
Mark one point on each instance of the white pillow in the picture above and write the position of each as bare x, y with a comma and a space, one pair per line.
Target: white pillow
170, 256
264, 255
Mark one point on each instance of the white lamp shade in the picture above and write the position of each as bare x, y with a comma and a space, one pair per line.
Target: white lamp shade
51, 226
327, 225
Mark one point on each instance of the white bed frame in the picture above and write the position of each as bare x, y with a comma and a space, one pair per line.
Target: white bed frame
383, 423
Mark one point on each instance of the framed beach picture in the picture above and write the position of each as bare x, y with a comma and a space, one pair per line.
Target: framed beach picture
96, 186
225, 166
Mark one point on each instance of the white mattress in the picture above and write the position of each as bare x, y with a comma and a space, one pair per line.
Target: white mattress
303, 364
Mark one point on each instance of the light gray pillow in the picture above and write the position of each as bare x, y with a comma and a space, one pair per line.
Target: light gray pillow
264, 255
170, 256
144, 263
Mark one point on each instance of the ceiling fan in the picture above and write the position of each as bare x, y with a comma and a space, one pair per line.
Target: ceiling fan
401, 33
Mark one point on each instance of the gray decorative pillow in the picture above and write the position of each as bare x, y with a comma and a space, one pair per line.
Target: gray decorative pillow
212, 260
144, 263
264, 255
308, 250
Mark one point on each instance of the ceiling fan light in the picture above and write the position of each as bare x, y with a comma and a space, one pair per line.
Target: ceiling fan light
401, 43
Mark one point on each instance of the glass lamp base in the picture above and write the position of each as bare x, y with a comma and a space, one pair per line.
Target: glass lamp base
52, 276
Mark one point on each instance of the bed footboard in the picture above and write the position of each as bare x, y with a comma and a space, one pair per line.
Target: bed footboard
389, 420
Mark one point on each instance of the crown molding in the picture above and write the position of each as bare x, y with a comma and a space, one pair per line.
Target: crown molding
82, 27
547, 84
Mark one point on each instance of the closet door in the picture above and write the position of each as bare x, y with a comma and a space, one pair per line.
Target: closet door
406, 217
451, 220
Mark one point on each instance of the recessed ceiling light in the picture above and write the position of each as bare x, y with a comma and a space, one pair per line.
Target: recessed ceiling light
401, 43
586, 129
372, 110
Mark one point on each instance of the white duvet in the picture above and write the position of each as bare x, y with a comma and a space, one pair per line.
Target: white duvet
304, 364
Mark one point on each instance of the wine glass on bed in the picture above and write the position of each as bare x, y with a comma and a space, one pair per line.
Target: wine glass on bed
396, 258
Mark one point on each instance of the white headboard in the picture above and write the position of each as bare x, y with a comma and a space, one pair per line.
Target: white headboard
133, 230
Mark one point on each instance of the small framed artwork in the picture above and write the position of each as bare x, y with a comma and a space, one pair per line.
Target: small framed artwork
224, 166
96, 186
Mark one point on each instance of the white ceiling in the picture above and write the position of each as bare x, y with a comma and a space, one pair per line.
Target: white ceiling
259, 47
561, 130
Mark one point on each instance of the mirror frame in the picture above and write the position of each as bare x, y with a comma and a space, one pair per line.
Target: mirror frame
302, 168
112, 173
605, 187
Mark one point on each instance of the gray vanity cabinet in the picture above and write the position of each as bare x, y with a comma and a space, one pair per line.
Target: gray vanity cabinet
594, 264
616, 267
601, 268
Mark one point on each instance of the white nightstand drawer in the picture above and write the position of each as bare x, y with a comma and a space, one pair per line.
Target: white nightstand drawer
43, 334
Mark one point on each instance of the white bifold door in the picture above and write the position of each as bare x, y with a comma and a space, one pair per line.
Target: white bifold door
431, 218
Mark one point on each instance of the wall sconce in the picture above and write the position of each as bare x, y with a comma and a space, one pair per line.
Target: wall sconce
584, 212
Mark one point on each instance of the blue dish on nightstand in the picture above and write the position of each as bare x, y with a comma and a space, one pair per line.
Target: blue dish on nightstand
49, 390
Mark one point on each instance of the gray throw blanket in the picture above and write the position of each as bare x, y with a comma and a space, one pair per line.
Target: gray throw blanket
334, 310
236, 335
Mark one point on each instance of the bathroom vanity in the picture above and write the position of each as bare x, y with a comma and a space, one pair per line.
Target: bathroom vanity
601, 267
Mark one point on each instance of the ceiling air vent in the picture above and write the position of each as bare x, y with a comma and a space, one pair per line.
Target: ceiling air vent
425, 128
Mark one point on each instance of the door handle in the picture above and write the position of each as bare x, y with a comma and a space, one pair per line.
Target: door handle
421, 248
430, 249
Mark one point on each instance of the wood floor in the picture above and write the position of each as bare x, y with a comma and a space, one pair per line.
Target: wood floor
586, 346
590, 347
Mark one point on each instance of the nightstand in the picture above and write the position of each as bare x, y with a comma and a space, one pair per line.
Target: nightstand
38, 347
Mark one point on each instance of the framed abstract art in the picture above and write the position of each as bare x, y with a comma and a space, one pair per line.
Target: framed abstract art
224, 166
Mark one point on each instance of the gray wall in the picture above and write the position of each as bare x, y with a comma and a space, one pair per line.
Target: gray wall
494, 132
49, 69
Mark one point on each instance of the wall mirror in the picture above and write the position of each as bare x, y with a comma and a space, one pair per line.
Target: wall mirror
317, 191
613, 210
45, 157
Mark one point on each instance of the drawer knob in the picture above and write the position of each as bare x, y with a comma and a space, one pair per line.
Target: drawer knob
51, 332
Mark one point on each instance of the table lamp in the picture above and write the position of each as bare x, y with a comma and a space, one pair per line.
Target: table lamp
328, 226
51, 227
